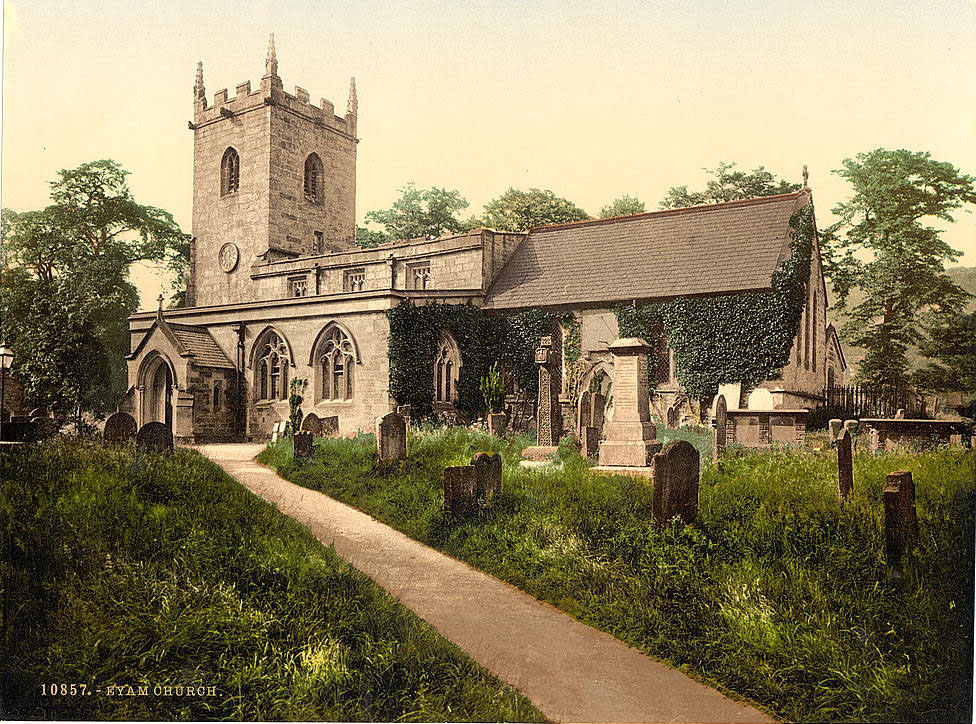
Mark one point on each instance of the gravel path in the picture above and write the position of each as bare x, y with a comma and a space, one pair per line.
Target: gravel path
571, 672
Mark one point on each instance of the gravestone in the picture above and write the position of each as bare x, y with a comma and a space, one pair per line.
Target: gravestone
460, 489
496, 424
549, 423
852, 426
302, 443
731, 391
330, 425
900, 521
673, 416
119, 427
391, 437
900, 414
835, 426
154, 437
590, 443
406, 411
675, 473
721, 428
44, 428
630, 438
488, 473
845, 464
278, 430
312, 423
760, 399
37, 412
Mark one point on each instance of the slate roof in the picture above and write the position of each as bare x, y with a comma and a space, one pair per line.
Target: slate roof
200, 345
712, 249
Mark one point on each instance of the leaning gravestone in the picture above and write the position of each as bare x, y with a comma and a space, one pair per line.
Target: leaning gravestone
488, 474
673, 417
900, 522
302, 443
721, 428
312, 423
460, 489
675, 473
119, 427
154, 437
391, 437
44, 427
845, 464
590, 444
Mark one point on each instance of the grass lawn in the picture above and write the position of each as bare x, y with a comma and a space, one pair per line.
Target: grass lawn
778, 594
162, 571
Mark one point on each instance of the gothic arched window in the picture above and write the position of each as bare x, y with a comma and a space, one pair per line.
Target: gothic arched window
447, 365
336, 360
271, 379
230, 172
313, 178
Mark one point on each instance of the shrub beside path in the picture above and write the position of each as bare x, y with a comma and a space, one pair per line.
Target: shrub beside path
570, 671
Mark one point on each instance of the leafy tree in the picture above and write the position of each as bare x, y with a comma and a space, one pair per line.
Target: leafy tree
951, 344
65, 296
177, 261
517, 210
728, 185
882, 247
417, 213
368, 238
622, 206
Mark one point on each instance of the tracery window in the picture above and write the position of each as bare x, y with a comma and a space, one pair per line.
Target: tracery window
336, 362
355, 280
230, 172
272, 374
420, 276
313, 178
447, 365
298, 287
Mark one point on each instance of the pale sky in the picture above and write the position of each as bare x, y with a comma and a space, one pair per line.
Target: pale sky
592, 100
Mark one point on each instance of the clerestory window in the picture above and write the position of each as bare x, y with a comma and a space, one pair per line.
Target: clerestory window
230, 172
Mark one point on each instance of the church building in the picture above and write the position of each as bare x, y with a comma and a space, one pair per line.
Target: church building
279, 290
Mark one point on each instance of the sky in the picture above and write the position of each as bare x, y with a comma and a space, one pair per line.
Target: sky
591, 100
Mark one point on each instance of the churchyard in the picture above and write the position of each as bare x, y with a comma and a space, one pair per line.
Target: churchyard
781, 591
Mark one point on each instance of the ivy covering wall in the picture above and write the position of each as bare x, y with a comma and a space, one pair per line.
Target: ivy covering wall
481, 338
734, 337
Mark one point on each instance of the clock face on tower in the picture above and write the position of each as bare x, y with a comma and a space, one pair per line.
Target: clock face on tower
228, 256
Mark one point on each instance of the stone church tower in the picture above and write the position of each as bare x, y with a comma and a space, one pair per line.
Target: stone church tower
274, 177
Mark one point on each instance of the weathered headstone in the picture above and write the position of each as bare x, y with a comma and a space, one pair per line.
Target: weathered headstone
460, 489
278, 430
330, 425
852, 426
673, 415
44, 428
496, 424
845, 464
312, 423
119, 427
835, 426
721, 428
874, 439
955, 440
37, 412
549, 422
901, 522
302, 443
675, 472
154, 437
391, 437
488, 473
590, 443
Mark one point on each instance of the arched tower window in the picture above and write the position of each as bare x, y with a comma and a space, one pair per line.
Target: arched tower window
271, 378
313, 178
447, 365
230, 172
336, 363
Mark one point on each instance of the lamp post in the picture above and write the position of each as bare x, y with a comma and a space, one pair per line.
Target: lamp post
6, 359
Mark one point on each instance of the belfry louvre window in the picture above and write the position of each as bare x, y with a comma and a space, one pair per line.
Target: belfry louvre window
230, 172
313, 178
419, 276
354, 280
272, 374
336, 364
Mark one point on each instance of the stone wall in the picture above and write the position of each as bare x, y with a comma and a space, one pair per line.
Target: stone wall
212, 423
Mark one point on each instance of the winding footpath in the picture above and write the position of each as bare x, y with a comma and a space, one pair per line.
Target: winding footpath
571, 672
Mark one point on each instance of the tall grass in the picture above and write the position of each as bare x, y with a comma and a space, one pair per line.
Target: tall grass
778, 594
160, 570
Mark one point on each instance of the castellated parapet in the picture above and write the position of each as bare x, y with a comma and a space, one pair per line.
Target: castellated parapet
267, 208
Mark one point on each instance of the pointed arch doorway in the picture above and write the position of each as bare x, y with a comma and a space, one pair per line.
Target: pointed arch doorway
157, 395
